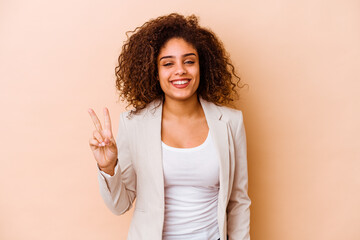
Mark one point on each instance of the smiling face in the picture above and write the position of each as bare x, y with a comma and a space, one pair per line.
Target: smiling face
178, 69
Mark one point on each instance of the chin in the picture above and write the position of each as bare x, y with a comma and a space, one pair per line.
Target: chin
183, 97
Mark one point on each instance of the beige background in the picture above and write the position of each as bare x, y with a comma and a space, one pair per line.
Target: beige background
301, 60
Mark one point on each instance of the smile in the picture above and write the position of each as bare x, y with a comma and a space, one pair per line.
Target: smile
181, 83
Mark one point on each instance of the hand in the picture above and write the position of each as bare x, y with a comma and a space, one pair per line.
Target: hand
103, 143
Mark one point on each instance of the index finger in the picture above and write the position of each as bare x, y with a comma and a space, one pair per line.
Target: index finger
95, 119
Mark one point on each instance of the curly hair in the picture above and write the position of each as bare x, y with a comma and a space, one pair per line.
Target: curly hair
136, 72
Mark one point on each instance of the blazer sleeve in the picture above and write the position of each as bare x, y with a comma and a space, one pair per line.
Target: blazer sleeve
238, 209
119, 190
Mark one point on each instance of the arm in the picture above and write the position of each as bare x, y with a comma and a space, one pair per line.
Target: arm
238, 209
119, 190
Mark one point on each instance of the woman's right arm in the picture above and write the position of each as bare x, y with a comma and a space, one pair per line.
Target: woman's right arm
116, 176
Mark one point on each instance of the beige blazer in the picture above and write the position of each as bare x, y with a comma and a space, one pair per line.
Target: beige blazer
139, 172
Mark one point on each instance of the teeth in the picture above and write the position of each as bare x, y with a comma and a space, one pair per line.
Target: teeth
180, 82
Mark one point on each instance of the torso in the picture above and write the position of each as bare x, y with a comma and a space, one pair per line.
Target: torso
191, 176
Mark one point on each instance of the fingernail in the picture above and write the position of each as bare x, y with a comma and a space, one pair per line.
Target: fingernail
103, 144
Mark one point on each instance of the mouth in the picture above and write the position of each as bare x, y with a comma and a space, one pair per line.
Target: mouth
180, 83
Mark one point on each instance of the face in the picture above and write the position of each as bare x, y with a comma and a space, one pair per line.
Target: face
178, 69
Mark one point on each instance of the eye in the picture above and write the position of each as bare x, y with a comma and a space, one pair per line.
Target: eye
167, 64
189, 62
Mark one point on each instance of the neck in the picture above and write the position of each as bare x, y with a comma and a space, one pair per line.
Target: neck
182, 109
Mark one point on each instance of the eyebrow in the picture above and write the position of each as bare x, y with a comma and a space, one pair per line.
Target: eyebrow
185, 55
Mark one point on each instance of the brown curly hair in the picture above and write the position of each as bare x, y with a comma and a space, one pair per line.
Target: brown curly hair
136, 73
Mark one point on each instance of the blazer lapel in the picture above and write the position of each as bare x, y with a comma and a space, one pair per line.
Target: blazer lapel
152, 134
219, 132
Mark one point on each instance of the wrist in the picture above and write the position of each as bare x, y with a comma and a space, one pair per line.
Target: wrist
109, 169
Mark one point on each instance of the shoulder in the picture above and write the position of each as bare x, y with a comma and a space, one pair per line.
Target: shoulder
230, 113
226, 113
151, 111
233, 117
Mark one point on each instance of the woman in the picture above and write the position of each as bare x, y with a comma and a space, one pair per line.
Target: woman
179, 152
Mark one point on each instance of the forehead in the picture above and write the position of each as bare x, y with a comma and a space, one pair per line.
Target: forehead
176, 47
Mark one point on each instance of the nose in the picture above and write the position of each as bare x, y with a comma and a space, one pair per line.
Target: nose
180, 70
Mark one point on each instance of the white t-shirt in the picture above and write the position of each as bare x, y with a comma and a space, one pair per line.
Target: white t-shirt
191, 177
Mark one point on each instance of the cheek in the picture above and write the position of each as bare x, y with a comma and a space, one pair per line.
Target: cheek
162, 71
163, 79
162, 76
196, 72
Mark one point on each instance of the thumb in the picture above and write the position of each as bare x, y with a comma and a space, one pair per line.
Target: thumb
109, 142
110, 145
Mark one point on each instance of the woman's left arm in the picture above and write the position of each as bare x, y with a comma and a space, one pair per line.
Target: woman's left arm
238, 209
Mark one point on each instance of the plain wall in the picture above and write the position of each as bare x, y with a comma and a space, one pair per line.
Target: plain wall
300, 59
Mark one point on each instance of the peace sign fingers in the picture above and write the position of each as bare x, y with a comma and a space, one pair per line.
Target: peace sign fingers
102, 143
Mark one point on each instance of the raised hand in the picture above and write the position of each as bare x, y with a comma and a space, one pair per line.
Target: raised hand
103, 144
